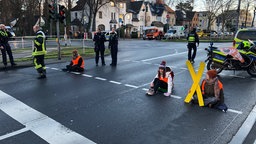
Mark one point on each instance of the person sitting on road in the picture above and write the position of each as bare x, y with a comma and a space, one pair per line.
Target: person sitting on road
76, 64
212, 91
162, 80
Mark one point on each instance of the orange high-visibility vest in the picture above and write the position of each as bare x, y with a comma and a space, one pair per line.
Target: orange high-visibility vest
164, 79
203, 84
75, 61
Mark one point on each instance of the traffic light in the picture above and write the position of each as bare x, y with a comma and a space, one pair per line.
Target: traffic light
52, 11
62, 13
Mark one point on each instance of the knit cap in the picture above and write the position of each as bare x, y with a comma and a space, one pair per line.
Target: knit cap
212, 73
162, 65
75, 53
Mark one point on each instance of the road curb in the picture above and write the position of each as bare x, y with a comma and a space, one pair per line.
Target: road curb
245, 128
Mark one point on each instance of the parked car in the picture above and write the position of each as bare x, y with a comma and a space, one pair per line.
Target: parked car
244, 35
171, 34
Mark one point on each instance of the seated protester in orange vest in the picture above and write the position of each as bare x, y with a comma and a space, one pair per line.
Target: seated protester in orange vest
76, 64
212, 91
162, 80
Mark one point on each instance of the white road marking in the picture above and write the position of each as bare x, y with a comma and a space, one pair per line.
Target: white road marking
87, 75
235, 111
55, 69
132, 86
13, 133
42, 125
99, 78
77, 73
115, 82
163, 56
245, 128
177, 97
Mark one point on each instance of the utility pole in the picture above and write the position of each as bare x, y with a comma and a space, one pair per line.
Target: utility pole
238, 14
58, 30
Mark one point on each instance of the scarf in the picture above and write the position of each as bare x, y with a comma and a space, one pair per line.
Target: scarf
216, 86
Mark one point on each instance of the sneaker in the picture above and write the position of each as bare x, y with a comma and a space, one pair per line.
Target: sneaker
150, 92
167, 94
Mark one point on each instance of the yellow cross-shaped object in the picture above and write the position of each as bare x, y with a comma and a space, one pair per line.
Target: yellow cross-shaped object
195, 86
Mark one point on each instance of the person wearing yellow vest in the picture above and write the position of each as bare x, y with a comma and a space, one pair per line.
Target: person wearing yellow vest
162, 80
192, 40
76, 64
39, 52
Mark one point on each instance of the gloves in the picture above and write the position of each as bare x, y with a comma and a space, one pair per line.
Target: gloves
167, 94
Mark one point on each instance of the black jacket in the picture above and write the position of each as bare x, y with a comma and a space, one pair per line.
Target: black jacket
99, 39
113, 39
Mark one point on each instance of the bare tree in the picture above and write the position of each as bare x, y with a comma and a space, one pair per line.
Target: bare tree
212, 9
225, 13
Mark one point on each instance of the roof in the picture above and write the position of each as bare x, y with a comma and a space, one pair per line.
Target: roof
157, 9
79, 5
76, 22
157, 24
168, 9
135, 6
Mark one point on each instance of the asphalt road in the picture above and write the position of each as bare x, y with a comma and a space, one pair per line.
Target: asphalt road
108, 105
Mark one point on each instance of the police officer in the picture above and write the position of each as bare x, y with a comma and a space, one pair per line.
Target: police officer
4, 45
113, 45
99, 39
39, 52
192, 40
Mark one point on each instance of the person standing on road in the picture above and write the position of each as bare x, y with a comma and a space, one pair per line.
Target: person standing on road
76, 64
39, 52
192, 40
4, 45
113, 45
99, 49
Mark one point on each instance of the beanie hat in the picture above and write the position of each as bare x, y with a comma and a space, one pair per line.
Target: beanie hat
75, 53
212, 73
162, 65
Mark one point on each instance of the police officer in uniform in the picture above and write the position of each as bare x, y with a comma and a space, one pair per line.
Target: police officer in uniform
99, 39
39, 52
4, 45
192, 40
113, 45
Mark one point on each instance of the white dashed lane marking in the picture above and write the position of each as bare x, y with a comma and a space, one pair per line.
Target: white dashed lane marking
99, 78
133, 86
115, 82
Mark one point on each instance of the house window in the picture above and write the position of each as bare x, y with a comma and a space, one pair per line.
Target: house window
112, 4
113, 16
141, 18
134, 16
100, 14
76, 15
